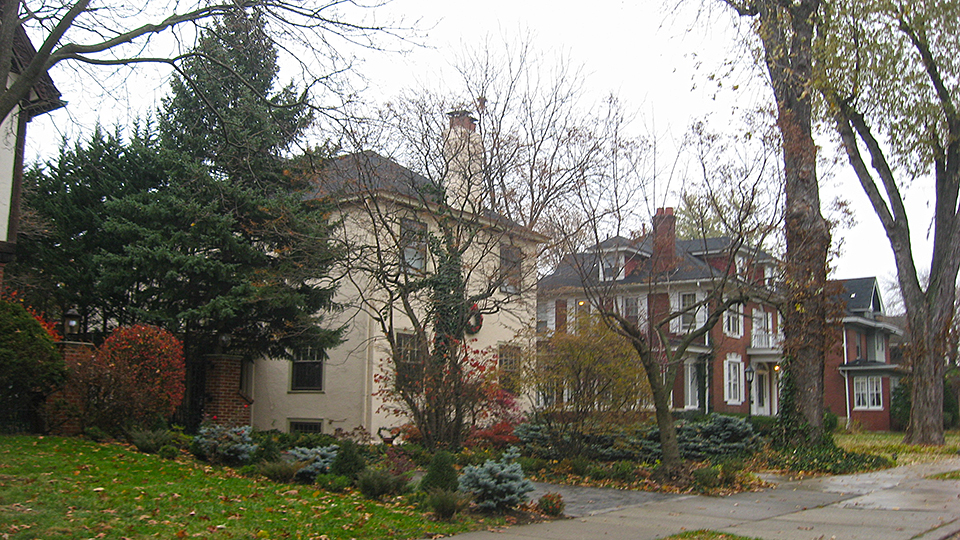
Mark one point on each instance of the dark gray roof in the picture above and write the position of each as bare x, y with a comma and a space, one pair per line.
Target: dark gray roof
861, 295
572, 269
48, 96
368, 171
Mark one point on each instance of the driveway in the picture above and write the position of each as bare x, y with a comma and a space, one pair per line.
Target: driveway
895, 504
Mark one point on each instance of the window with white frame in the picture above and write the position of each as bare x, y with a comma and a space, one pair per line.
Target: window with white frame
407, 359
508, 358
733, 379
691, 387
631, 309
688, 319
733, 322
868, 393
511, 275
611, 267
413, 245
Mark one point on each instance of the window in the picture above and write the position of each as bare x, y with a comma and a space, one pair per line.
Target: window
868, 393
611, 267
413, 245
246, 379
733, 322
631, 309
306, 426
691, 387
733, 379
308, 370
688, 319
511, 275
763, 335
508, 358
407, 359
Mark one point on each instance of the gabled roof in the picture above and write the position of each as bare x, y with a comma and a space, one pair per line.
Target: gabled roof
861, 296
47, 96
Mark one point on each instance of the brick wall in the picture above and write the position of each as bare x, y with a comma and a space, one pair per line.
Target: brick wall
62, 409
225, 404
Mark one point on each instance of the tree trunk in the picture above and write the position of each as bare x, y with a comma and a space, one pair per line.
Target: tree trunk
929, 326
786, 30
660, 388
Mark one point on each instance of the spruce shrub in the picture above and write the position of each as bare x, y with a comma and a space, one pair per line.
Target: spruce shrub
282, 472
707, 477
496, 485
348, 461
149, 441
440, 473
333, 483
378, 483
222, 445
446, 503
316, 461
168, 451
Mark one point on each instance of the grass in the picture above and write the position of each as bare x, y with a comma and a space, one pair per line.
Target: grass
891, 443
59, 488
707, 535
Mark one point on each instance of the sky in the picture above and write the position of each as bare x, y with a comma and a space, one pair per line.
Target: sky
670, 65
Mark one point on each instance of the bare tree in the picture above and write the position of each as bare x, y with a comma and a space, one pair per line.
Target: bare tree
633, 282
890, 69
447, 282
786, 31
116, 34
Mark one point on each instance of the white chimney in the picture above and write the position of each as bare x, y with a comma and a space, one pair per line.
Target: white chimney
463, 151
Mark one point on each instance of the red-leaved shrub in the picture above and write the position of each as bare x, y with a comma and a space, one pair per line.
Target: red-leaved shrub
135, 378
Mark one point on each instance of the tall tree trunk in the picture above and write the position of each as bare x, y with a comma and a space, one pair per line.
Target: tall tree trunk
786, 30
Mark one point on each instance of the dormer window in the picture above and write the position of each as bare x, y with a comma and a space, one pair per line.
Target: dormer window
611, 267
741, 263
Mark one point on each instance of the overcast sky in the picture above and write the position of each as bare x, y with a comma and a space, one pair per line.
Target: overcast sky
659, 62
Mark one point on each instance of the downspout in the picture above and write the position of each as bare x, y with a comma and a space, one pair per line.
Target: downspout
846, 379
368, 377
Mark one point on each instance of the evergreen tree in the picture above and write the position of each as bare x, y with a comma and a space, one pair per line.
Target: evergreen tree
203, 230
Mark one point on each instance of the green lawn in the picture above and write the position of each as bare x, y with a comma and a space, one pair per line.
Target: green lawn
58, 488
890, 443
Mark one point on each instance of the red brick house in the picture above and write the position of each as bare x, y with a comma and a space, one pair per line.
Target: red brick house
735, 367
859, 376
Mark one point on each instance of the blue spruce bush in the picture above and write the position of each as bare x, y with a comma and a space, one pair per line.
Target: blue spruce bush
497, 485
223, 445
318, 461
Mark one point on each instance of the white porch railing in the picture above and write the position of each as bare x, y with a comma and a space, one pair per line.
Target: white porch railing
766, 340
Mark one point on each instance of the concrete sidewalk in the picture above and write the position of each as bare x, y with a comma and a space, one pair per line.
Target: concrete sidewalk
895, 504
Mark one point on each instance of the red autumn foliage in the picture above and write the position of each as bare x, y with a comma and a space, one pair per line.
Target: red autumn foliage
499, 435
135, 378
49, 326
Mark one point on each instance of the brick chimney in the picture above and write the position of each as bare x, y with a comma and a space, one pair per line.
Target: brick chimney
664, 240
463, 150
462, 119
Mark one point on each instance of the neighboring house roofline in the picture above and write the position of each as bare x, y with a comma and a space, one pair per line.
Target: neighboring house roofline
354, 176
873, 323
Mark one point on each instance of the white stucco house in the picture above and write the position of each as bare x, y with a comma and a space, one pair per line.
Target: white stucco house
388, 215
